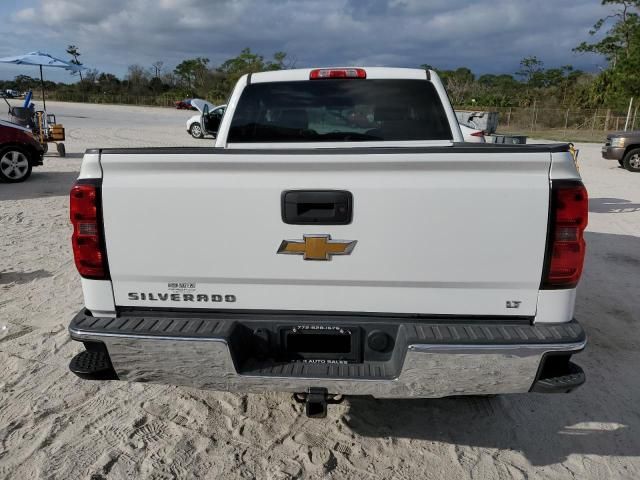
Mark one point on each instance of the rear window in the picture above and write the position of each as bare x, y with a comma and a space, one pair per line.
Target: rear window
339, 110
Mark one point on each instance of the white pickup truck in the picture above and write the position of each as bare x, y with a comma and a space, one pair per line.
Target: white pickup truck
338, 239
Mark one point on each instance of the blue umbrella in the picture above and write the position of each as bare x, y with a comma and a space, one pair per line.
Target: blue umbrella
42, 60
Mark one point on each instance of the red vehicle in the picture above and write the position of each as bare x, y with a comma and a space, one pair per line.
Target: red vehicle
19, 152
184, 104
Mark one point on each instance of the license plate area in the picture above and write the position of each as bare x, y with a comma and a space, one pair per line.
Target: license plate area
321, 344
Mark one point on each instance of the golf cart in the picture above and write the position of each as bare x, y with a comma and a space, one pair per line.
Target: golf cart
43, 125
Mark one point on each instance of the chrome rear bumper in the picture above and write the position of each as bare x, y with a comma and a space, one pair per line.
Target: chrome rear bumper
430, 359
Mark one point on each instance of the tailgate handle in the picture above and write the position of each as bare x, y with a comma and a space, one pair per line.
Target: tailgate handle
317, 207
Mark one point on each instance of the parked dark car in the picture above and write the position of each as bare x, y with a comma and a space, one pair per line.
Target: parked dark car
625, 148
184, 104
19, 152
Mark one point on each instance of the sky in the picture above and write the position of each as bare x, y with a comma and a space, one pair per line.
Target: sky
488, 36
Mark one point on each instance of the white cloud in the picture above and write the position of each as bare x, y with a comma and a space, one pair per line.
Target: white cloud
486, 35
28, 14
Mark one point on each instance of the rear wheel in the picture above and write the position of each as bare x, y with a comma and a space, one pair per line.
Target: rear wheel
61, 150
196, 131
14, 165
632, 160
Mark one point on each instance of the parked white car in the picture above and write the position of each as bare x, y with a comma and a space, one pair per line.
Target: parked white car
472, 135
209, 115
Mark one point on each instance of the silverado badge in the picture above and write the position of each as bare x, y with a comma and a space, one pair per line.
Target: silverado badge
317, 247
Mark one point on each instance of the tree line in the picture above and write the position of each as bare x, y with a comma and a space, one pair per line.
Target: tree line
193, 77
616, 37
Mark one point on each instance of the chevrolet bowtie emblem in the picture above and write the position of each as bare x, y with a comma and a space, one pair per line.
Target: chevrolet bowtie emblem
317, 247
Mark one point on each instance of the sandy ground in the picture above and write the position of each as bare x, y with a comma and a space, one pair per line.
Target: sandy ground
53, 425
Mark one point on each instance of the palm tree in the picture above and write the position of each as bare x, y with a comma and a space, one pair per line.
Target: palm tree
73, 51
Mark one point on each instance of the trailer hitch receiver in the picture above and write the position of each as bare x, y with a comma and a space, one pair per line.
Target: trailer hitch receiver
316, 401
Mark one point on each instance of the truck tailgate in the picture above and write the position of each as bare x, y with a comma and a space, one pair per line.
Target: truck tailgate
438, 233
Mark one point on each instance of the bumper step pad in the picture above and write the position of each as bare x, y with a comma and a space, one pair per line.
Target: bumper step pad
93, 366
431, 331
561, 384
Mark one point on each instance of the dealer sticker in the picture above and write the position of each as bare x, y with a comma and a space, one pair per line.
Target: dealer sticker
181, 286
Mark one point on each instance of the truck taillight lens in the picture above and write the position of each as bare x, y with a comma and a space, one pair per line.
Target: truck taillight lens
565, 245
87, 239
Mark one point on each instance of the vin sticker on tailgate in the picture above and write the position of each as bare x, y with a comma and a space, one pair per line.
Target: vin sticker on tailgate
181, 286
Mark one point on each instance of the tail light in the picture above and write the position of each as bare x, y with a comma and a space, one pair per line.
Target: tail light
565, 243
87, 239
323, 73
479, 133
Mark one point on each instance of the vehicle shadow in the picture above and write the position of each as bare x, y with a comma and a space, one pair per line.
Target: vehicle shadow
39, 185
612, 205
21, 278
545, 430
598, 419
